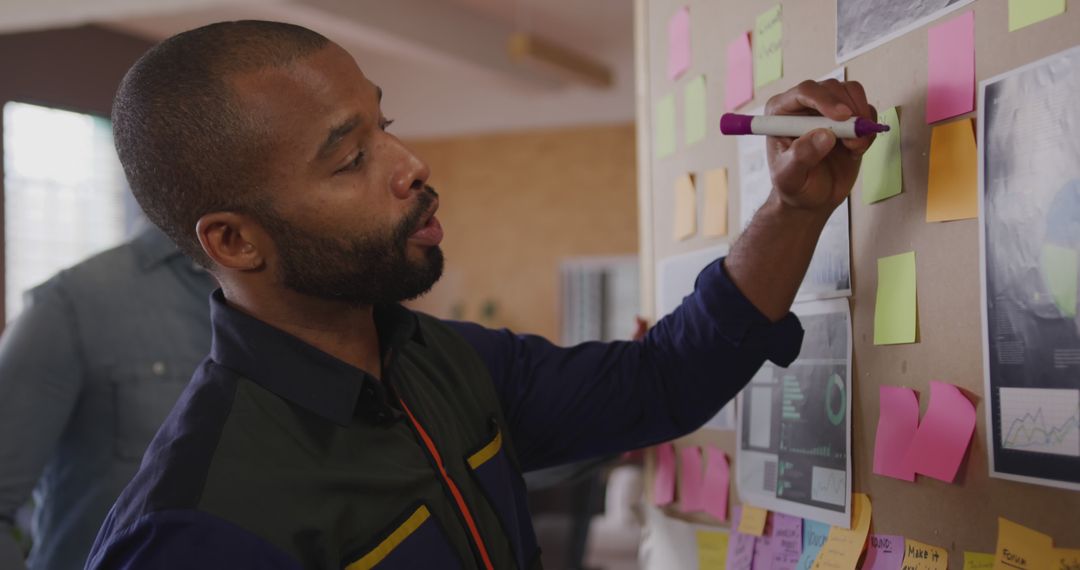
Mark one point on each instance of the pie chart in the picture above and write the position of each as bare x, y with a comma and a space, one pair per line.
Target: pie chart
1060, 255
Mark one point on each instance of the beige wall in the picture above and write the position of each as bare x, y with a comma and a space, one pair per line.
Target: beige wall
514, 204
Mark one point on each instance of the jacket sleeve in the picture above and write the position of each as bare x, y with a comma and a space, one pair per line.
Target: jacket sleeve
567, 404
184, 539
41, 376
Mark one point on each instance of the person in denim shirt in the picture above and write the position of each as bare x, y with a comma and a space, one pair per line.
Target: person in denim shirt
88, 373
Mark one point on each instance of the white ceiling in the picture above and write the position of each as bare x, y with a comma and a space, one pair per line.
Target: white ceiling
441, 63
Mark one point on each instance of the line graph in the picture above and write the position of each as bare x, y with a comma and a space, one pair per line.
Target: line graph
1041, 420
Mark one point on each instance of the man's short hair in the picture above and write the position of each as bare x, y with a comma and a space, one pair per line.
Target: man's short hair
187, 146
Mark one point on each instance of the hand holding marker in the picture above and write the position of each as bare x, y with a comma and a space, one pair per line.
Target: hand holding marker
797, 125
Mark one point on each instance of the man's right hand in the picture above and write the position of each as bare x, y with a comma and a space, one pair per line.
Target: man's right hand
816, 171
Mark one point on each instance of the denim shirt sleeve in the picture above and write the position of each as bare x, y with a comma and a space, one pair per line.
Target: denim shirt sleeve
40, 379
567, 404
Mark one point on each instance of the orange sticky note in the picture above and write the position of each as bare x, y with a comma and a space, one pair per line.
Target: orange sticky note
685, 207
953, 192
922, 556
1021, 548
843, 547
753, 520
716, 200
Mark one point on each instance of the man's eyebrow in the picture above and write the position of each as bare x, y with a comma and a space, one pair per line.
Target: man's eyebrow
337, 133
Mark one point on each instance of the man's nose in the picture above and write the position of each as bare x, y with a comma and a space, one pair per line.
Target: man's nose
411, 177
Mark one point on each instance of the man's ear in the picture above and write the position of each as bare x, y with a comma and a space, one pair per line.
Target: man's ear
234, 241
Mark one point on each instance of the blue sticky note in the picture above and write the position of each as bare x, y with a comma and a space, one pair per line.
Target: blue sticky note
814, 535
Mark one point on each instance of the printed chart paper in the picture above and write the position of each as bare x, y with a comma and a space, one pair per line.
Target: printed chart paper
795, 424
1029, 190
862, 25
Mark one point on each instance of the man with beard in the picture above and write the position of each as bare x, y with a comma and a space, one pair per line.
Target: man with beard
330, 427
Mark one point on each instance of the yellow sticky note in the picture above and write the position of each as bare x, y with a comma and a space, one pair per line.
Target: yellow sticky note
664, 127
712, 549
1064, 559
768, 51
843, 546
881, 172
1026, 12
1021, 548
753, 520
895, 311
694, 110
685, 207
978, 561
953, 191
922, 556
714, 219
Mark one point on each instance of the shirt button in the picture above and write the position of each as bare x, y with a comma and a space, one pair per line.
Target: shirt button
158, 368
369, 392
381, 417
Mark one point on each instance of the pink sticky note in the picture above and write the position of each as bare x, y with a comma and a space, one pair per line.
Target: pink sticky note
678, 31
897, 422
884, 552
691, 479
740, 554
717, 479
950, 89
786, 541
944, 434
664, 484
739, 87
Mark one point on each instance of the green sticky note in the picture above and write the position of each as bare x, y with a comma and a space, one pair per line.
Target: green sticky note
694, 110
880, 170
895, 310
1060, 266
1026, 12
664, 133
978, 561
768, 53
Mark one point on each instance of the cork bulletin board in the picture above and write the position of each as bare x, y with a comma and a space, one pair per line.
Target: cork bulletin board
961, 516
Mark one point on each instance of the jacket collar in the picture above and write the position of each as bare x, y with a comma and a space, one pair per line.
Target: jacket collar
299, 372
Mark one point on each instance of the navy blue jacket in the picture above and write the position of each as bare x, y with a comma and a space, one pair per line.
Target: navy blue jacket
281, 456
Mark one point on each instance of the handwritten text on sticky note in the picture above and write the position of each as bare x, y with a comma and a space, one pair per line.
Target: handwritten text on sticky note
844, 546
922, 556
768, 50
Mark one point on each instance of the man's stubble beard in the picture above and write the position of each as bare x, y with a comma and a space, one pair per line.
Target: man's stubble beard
372, 269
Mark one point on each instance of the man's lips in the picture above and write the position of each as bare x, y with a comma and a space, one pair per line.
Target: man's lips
430, 232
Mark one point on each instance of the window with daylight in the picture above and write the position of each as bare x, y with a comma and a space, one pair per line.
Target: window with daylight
65, 196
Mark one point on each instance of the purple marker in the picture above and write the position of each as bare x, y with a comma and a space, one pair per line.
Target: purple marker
796, 125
